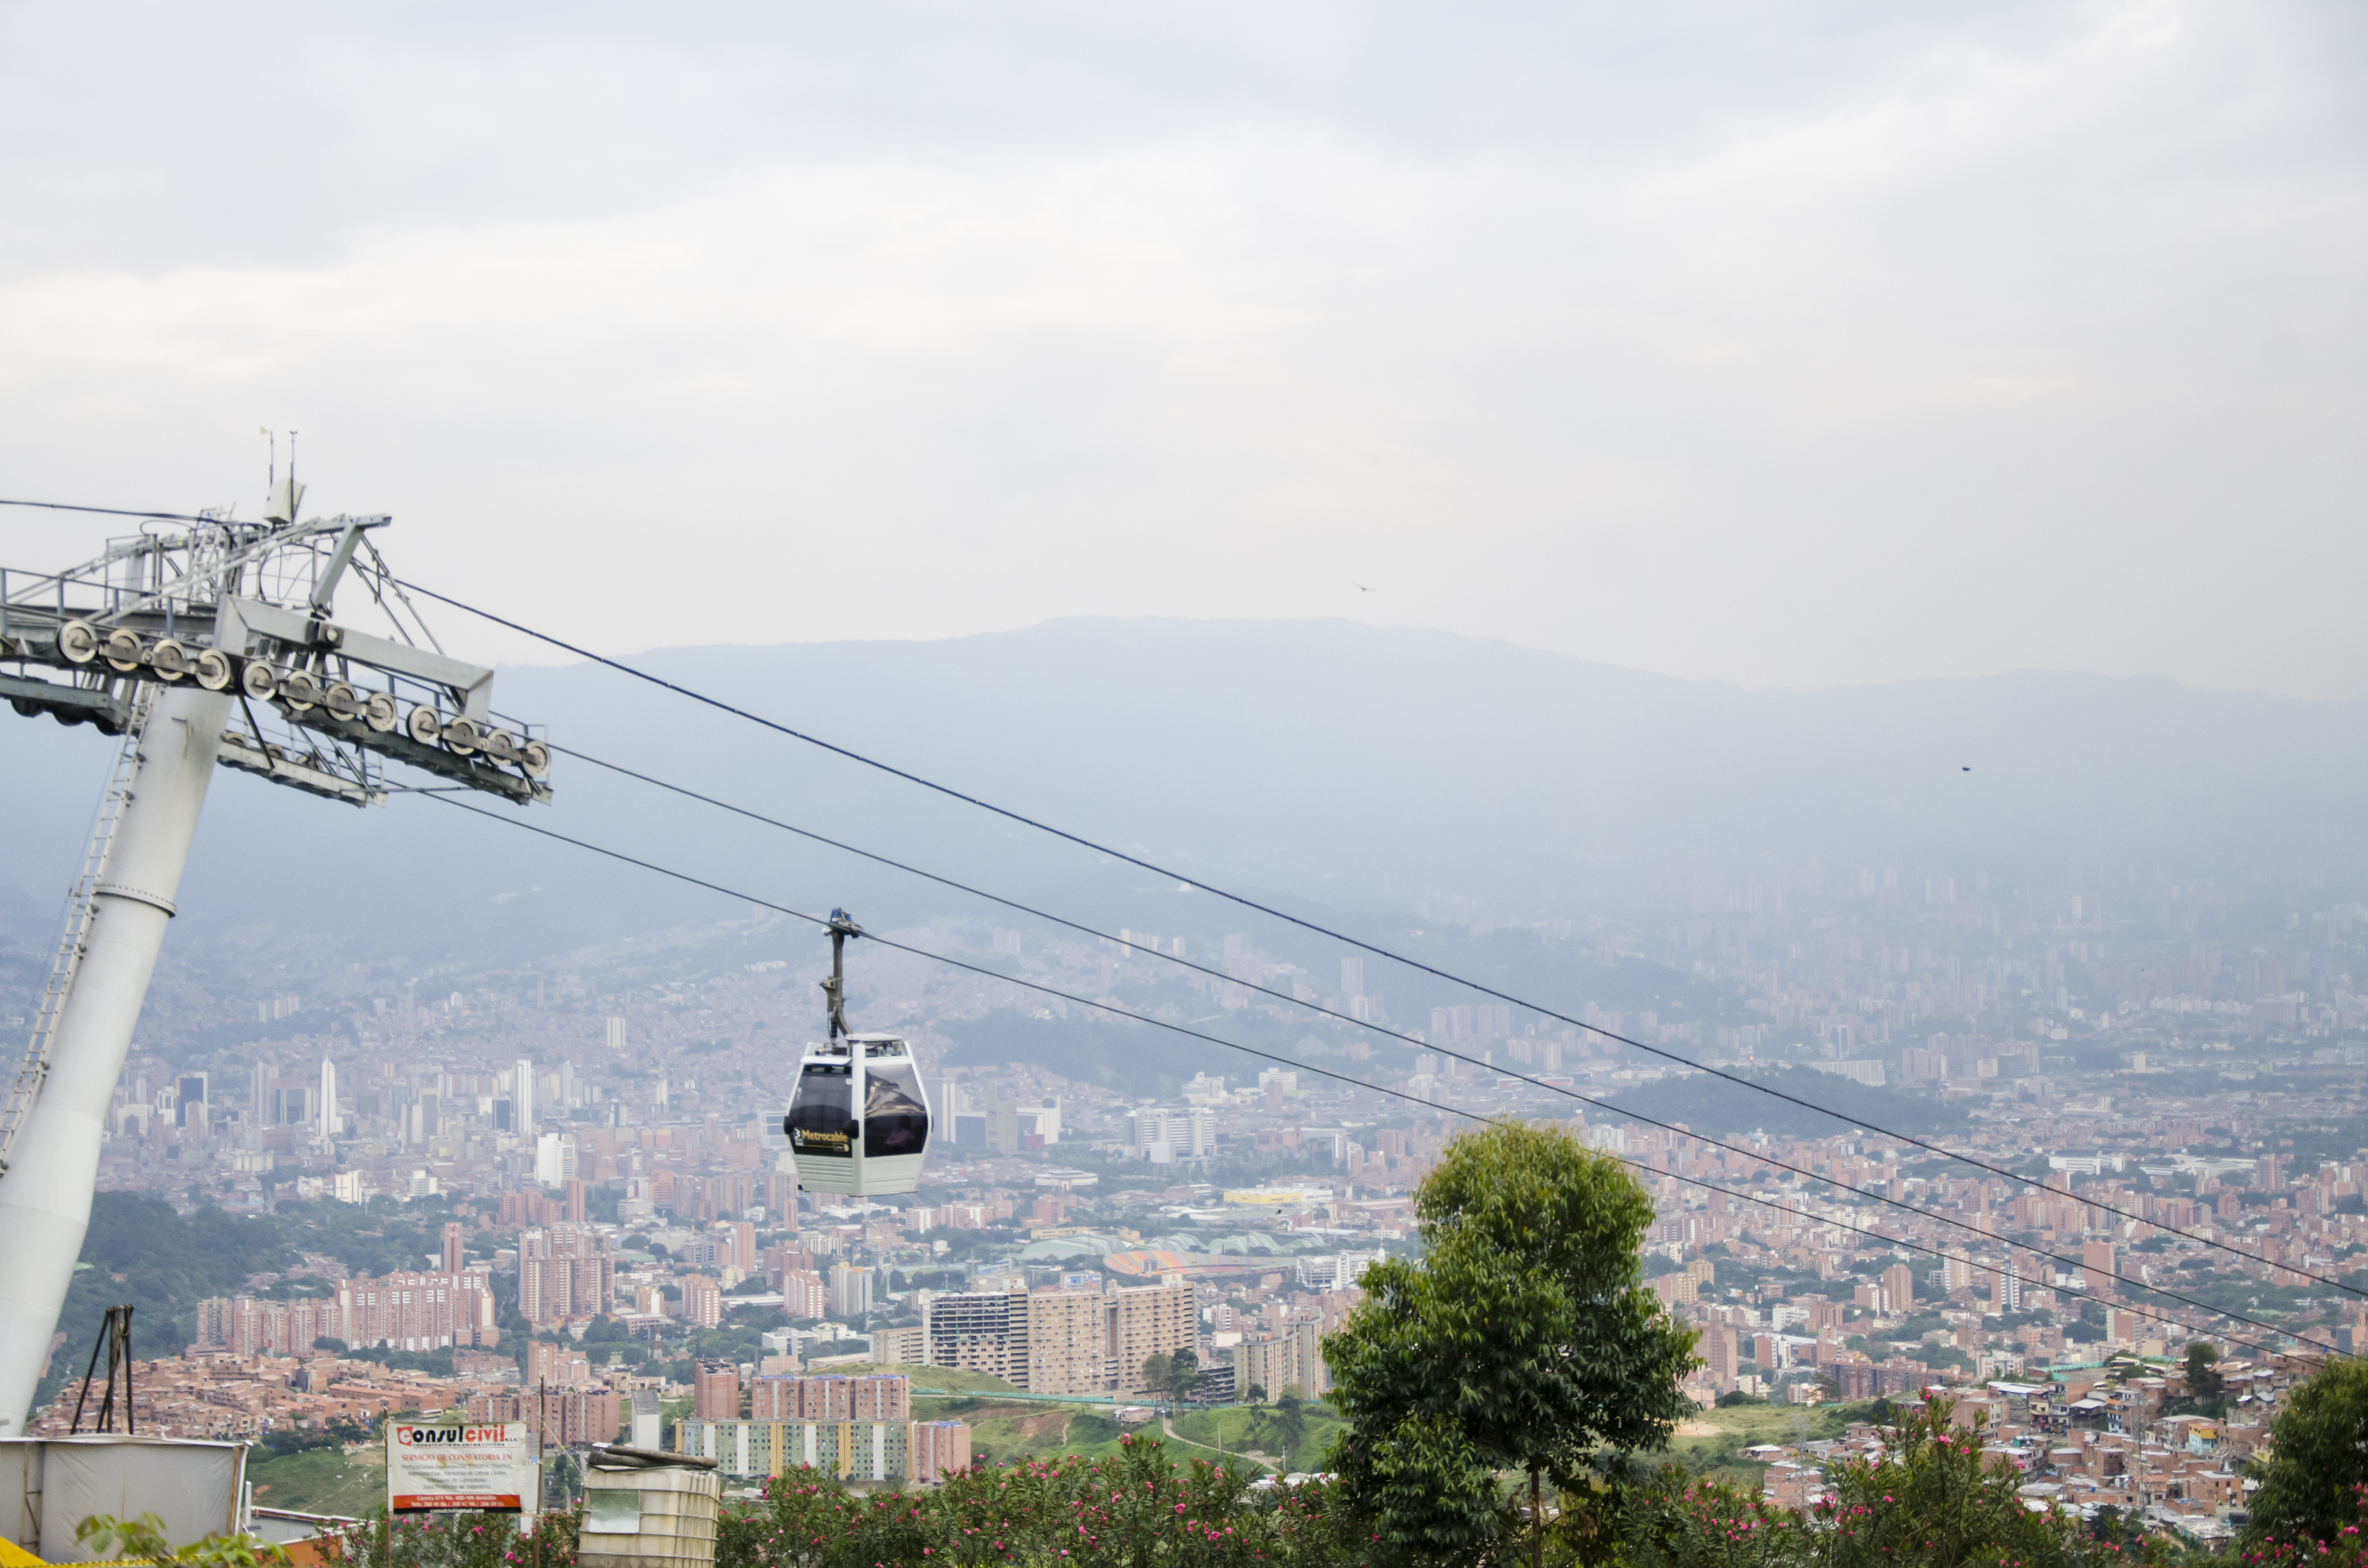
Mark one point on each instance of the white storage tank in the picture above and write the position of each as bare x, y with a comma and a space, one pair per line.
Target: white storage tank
659, 1516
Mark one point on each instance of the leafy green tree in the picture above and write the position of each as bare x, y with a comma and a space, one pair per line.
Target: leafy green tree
2318, 1459
2202, 1374
142, 1540
1288, 1422
1255, 1394
1525, 1340
1183, 1372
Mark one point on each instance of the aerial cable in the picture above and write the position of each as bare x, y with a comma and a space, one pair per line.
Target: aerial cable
111, 511
1247, 902
1297, 1065
1744, 1150
1273, 913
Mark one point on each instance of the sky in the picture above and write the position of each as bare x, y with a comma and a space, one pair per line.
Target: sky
1788, 345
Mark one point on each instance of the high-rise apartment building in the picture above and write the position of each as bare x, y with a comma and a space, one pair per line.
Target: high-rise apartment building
522, 1097
743, 1238
715, 1392
450, 1247
980, 1331
852, 1450
850, 1290
805, 1294
2006, 1286
702, 1301
1151, 1320
936, 1449
1273, 1362
1070, 1342
563, 1275
1718, 1349
328, 1128
559, 1415
561, 1364
773, 1398
881, 1396
1159, 1134
403, 1312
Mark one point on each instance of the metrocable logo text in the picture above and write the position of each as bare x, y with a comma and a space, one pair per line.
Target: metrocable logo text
429, 1437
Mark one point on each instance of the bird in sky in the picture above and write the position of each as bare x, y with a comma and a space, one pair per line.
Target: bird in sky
1360, 587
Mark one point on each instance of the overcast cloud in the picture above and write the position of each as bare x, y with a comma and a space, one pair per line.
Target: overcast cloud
1790, 345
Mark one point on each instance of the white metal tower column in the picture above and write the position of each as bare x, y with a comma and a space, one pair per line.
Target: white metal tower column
46, 1194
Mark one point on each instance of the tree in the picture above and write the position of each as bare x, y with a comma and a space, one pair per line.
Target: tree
2318, 1458
1288, 1422
2203, 1373
1183, 1372
1255, 1394
1525, 1340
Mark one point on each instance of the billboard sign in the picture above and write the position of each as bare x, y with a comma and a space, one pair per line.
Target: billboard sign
485, 1465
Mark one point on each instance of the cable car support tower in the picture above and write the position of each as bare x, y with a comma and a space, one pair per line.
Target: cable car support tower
202, 642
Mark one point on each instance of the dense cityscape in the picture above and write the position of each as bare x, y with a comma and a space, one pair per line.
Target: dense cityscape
2153, 1085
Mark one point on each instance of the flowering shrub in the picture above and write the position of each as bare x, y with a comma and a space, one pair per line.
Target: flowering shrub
1677, 1521
1931, 1501
2347, 1547
455, 1540
1132, 1511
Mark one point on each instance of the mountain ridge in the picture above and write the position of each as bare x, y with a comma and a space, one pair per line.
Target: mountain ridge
1355, 765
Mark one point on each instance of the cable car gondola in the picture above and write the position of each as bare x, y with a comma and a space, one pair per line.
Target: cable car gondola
858, 1122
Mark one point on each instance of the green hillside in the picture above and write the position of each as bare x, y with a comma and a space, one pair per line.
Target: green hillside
954, 1380
320, 1481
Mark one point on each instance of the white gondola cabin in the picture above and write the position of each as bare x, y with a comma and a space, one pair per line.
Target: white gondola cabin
858, 1122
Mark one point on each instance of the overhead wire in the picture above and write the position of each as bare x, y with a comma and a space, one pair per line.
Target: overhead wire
1246, 902
1178, 960
111, 511
1114, 1009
